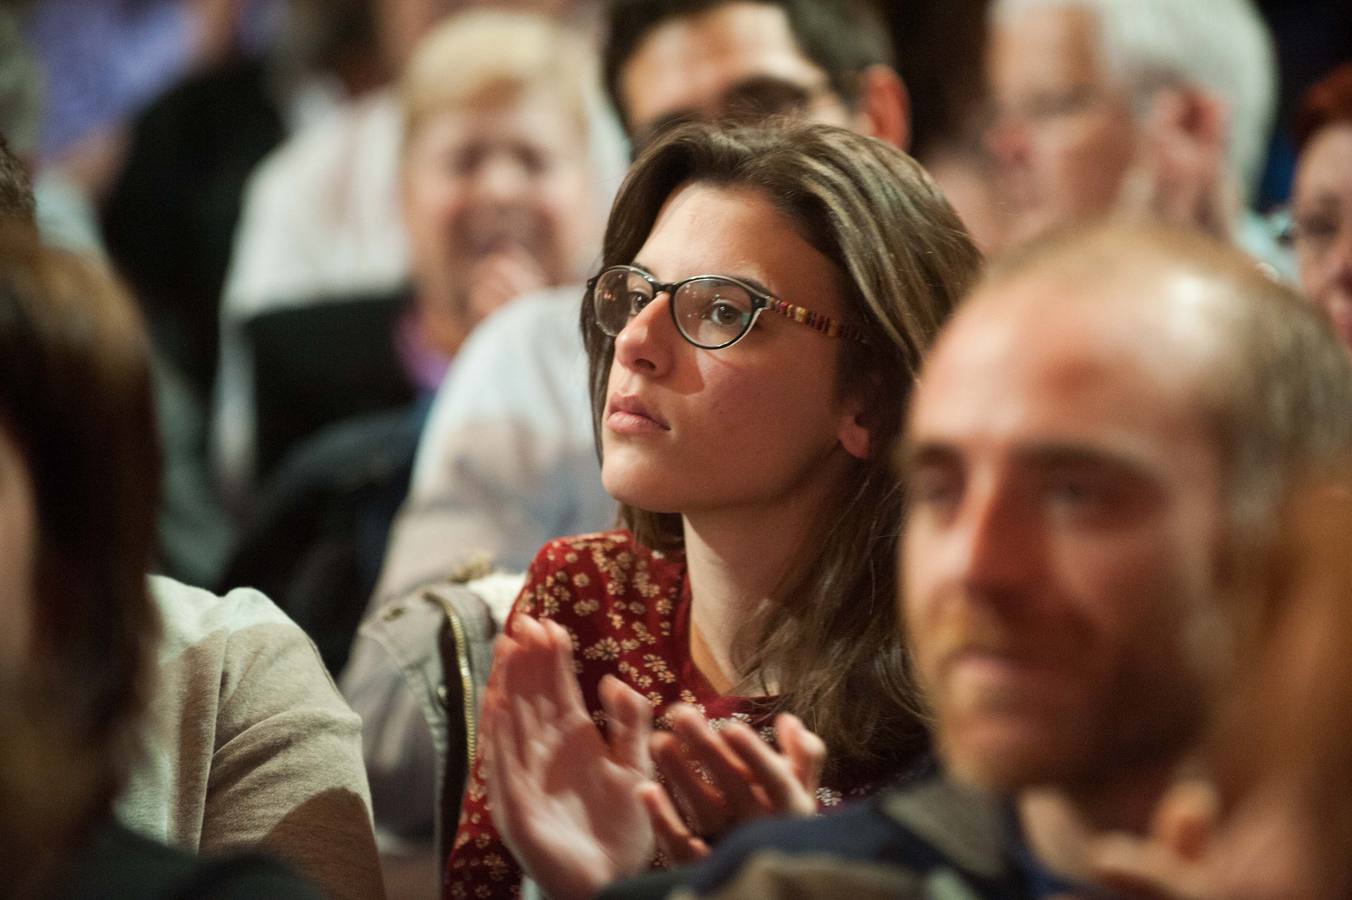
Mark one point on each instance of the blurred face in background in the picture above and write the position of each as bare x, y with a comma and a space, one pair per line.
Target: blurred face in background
1321, 210
497, 203
18, 547
1064, 131
735, 58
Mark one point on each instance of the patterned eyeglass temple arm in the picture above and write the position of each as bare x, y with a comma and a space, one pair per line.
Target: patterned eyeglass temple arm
825, 324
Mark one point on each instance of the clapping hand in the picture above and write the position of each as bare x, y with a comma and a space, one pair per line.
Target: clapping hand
720, 779
579, 810
564, 798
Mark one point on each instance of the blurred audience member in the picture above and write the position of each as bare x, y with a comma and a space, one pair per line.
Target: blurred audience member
1321, 201
194, 532
77, 505
1140, 107
508, 458
501, 196
349, 239
1096, 456
499, 191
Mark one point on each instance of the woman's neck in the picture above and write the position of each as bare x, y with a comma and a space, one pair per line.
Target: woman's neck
737, 560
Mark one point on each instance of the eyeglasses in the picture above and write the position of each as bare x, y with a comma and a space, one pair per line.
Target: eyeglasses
710, 311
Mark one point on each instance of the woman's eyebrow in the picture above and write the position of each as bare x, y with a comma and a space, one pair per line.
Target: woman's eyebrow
753, 283
750, 282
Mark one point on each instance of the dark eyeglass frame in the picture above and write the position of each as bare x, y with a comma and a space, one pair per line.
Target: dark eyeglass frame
760, 301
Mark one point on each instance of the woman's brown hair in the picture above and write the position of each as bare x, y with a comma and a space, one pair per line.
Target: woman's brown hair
829, 642
75, 399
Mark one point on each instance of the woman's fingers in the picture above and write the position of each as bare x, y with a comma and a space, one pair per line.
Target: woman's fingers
503, 646
629, 724
560, 670
508, 779
773, 772
703, 806
722, 778
674, 839
708, 751
804, 749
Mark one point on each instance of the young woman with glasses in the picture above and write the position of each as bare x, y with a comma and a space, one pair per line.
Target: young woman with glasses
764, 299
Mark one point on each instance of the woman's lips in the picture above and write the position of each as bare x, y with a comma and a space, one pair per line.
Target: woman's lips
629, 415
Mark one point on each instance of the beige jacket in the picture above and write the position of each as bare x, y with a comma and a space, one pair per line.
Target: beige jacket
250, 745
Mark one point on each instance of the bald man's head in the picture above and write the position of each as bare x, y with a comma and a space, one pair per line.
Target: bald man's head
1259, 364
1097, 437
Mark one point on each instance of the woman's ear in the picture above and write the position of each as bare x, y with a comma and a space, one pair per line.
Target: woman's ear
884, 106
854, 432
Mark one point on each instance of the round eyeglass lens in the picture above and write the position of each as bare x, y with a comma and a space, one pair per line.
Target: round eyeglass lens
713, 312
617, 298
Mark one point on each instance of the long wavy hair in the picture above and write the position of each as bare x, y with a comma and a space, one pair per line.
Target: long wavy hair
828, 642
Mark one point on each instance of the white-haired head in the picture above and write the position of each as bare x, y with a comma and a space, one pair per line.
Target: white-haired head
1221, 46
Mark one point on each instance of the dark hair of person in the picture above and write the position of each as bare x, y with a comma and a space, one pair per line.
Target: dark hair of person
842, 37
17, 203
75, 399
828, 642
1328, 102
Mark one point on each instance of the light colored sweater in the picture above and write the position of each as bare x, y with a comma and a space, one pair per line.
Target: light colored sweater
250, 745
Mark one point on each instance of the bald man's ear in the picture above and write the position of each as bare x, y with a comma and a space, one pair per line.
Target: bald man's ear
884, 106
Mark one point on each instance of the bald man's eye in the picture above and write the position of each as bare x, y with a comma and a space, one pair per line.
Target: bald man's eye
1090, 499
1074, 494
933, 490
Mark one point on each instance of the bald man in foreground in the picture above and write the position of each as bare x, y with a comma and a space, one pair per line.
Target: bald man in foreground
1095, 451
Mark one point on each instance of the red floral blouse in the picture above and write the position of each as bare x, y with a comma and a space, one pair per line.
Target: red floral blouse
628, 611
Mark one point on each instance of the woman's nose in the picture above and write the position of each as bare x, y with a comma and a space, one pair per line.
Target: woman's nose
645, 343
